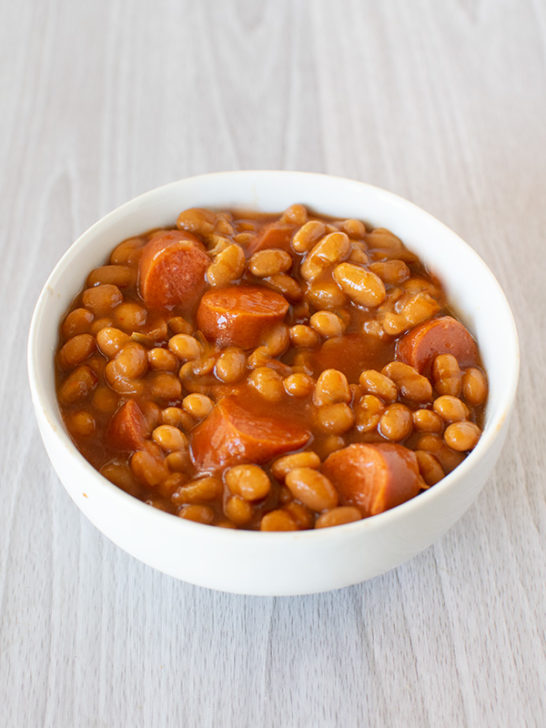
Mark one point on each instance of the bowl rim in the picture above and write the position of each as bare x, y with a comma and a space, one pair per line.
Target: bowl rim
402, 511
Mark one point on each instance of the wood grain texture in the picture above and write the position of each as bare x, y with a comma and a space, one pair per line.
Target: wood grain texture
443, 103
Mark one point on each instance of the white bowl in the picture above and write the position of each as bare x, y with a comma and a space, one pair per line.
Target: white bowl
303, 562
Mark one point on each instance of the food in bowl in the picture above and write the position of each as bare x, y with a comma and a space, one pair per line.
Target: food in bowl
271, 372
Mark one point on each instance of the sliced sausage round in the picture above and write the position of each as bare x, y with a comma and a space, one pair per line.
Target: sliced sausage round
240, 315
374, 477
128, 428
172, 269
444, 335
234, 434
271, 235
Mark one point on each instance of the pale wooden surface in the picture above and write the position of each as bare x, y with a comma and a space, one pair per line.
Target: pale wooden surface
442, 102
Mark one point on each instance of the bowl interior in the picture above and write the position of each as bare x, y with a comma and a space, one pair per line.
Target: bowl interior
470, 285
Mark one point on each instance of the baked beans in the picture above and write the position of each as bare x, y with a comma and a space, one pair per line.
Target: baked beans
268, 372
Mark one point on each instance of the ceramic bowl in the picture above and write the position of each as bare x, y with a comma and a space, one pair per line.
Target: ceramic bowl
284, 563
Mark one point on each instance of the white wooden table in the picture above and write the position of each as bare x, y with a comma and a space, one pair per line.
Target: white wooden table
442, 102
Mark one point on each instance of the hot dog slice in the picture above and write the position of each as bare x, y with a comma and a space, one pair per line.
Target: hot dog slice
172, 270
444, 335
373, 477
271, 235
128, 428
352, 353
233, 434
240, 315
